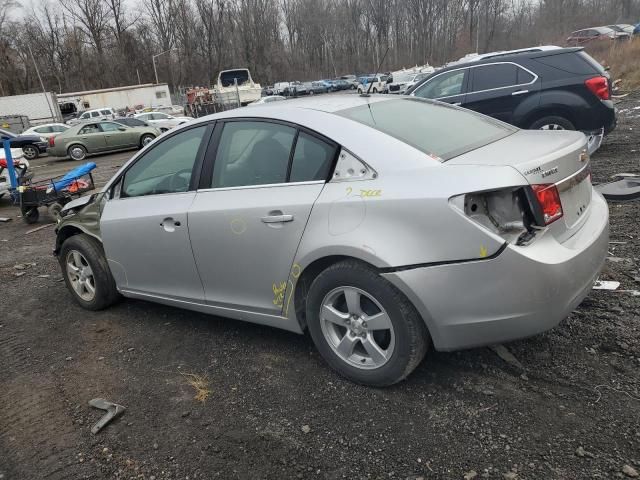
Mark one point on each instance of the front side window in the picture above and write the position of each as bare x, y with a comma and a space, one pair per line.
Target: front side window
252, 153
44, 130
167, 167
59, 128
160, 116
312, 159
95, 114
499, 75
91, 128
85, 115
444, 85
146, 116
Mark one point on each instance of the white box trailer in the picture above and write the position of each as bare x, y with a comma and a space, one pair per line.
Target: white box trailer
118, 98
39, 108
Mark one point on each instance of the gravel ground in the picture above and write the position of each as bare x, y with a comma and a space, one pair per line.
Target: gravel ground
213, 398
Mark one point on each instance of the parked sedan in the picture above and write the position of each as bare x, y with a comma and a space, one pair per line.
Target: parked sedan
105, 136
32, 145
47, 130
162, 121
381, 225
589, 35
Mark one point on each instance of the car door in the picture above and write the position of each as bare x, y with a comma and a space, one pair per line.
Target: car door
145, 226
449, 87
497, 89
249, 215
116, 136
92, 137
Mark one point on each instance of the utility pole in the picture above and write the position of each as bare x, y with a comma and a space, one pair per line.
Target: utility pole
153, 58
46, 97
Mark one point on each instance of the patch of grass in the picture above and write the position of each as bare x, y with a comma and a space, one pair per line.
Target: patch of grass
201, 385
621, 58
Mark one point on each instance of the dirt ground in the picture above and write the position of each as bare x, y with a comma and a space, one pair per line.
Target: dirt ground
268, 407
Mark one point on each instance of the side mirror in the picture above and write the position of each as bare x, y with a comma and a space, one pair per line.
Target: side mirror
122, 129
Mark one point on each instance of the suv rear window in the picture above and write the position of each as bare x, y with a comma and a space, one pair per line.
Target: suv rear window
431, 127
569, 62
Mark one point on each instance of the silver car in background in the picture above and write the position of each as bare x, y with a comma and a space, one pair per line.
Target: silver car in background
380, 225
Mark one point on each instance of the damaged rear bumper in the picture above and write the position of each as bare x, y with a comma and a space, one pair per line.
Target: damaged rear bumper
521, 292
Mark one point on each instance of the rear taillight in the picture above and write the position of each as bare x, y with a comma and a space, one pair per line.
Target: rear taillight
52, 142
599, 86
549, 200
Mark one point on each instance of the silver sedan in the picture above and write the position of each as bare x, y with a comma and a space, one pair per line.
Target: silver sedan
381, 226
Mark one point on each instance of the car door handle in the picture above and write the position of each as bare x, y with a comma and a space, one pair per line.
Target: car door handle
169, 224
277, 218
520, 92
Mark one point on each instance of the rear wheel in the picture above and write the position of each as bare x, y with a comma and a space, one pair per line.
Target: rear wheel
86, 273
77, 152
364, 327
30, 214
552, 122
30, 152
146, 139
54, 211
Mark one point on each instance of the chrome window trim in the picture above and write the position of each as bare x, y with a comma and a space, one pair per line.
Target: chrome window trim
266, 185
469, 67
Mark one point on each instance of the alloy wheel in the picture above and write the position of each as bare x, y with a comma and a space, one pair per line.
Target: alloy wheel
81, 275
30, 152
357, 328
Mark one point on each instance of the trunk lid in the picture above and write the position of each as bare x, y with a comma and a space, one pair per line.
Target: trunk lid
545, 157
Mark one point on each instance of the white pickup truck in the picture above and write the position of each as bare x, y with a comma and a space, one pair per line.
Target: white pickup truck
379, 84
236, 85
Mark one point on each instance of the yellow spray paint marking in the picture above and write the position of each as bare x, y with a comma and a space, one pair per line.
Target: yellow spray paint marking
349, 190
483, 251
278, 293
296, 270
370, 193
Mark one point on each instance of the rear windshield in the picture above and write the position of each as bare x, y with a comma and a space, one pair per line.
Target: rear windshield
227, 78
434, 128
578, 63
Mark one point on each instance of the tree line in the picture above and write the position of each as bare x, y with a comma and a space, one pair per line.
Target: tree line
89, 44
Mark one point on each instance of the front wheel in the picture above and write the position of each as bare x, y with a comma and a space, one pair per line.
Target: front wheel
146, 139
30, 215
375, 90
86, 273
30, 152
552, 122
364, 327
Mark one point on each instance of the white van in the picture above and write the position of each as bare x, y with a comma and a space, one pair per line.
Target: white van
379, 84
280, 87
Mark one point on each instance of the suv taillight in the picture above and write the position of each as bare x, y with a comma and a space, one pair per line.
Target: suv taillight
52, 142
599, 86
549, 200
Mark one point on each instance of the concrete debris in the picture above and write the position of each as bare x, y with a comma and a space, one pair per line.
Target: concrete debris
630, 472
470, 475
306, 429
113, 411
507, 356
606, 285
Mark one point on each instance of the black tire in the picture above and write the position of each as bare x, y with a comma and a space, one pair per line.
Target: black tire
54, 211
30, 152
77, 152
145, 139
412, 337
375, 90
30, 215
562, 122
106, 293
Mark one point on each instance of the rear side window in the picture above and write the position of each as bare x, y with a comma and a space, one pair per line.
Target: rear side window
433, 128
568, 62
311, 160
252, 153
95, 114
494, 76
105, 112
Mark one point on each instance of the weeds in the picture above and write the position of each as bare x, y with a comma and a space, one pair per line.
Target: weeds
200, 384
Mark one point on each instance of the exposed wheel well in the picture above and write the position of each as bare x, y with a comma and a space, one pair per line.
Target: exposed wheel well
307, 277
63, 234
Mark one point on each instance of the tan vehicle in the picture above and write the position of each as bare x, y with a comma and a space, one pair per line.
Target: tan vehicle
99, 137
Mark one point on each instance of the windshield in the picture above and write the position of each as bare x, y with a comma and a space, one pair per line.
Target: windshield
227, 78
434, 128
